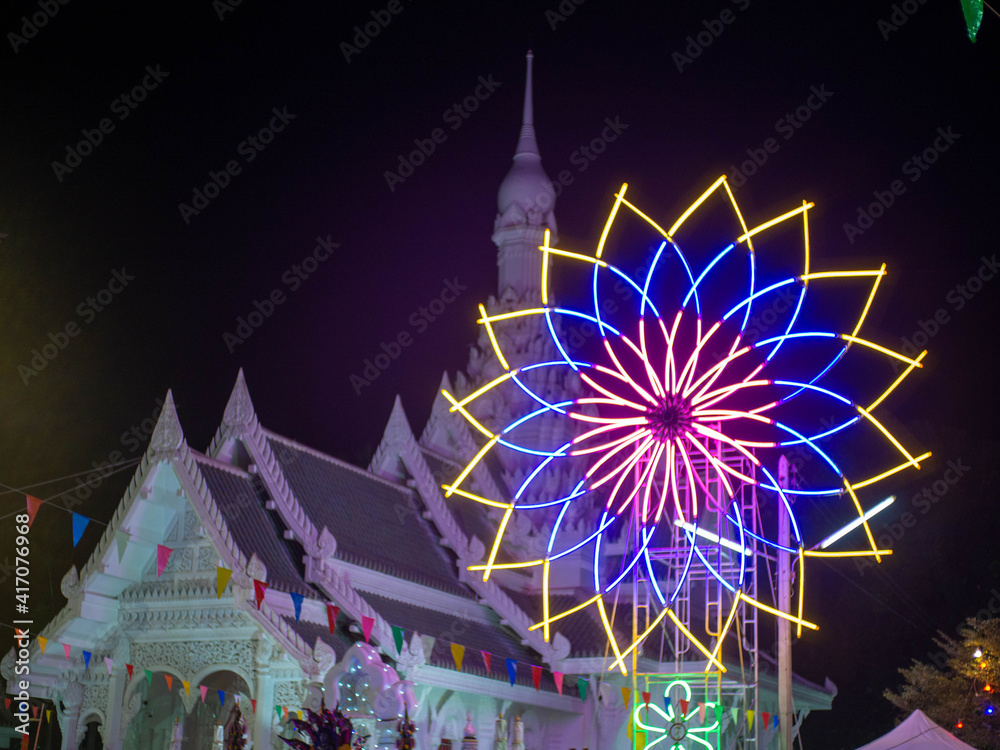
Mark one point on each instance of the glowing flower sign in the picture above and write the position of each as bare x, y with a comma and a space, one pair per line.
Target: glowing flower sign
682, 724
679, 396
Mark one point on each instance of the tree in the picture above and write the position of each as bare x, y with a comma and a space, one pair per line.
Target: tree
961, 690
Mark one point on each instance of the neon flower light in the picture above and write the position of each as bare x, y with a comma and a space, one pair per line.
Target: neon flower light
679, 726
679, 406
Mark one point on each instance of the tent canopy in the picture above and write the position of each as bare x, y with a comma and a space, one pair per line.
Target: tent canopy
917, 732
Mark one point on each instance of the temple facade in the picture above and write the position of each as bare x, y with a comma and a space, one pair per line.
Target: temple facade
292, 578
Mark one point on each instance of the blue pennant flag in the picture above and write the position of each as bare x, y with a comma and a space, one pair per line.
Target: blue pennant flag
86, 659
222, 697
79, 524
512, 670
297, 603
666, 703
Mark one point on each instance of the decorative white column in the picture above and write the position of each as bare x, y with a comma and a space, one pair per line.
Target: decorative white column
72, 698
262, 721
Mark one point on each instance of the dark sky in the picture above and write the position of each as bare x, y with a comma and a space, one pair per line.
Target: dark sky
691, 104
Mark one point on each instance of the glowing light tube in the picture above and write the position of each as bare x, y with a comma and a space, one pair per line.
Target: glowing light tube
857, 522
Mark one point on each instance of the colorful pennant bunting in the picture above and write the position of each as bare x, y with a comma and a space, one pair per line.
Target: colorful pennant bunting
645, 699
222, 697
222, 576
79, 525
204, 691
162, 558
86, 659
253, 705
581, 685
109, 664
750, 719
488, 661
701, 712
536, 676
512, 670
398, 637
170, 681
149, 678
735, 713
331, 616
626, 694
66, 649
766, 716
684, 707
7, 702
558, 676
33, 505
296, 604
277, 710
367, 623
129, 668
458, 654
259, 587
42, 643
186, 684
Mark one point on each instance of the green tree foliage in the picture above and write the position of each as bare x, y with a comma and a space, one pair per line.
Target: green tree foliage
961, 691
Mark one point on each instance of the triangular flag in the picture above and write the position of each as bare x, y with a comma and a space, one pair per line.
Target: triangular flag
162, 558
300, 715
7, 702
86, 659
701, 712
149, 678
367, 623
776, 721
735, 713
186, 684
296, 604
398, 637
109, 663
42, 643
750, 719
331, 616
284, 710
129, 668
79, 524
766, 715
121, 541
204, 691
458, 654
626, 694
684, 708
645, 699
34, 711
488, 661
222, 697
259, 587
170, 681
66, 649
558, 677
277, 710
24, 741
640, 740
512, 670
536, 676
581, 685
48, 714
973, 12
222, 576
630, 729
253, 705
666, 703
33, 505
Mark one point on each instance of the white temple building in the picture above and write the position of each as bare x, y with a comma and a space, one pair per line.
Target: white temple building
380, 542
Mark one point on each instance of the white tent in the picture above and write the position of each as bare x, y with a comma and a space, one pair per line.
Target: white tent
917, 732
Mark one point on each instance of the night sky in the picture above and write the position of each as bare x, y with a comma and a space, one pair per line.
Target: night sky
120, 278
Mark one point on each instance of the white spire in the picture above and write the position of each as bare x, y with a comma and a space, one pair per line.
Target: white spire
527, 144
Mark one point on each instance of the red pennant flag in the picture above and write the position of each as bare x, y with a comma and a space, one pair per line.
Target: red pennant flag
487, 660
259, 587
253, 705
367, 623
701, 712
66, 649
129, 668
24, 741
558, 676
7, 702
331, 616
204, 692
536, 676
170, 681
767, 718
162, 558
645, 698
33, 505
684, 708
34, 711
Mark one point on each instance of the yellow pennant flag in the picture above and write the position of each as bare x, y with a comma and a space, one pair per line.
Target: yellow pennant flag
457, 653
222, 576
749, 719
630, 729
42, 643
187, 687
48, 714
626, 694
640, 740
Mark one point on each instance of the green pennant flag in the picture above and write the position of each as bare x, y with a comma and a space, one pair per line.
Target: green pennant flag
277, 710
149, 678
973, 11
581, 685
397, 636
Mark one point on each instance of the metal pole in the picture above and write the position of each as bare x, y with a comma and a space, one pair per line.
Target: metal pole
784, 626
